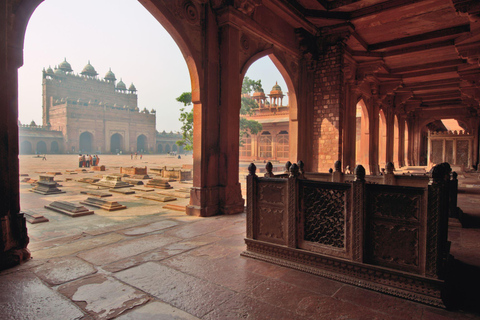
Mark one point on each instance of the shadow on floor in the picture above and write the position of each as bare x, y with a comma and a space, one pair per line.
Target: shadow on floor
462, 287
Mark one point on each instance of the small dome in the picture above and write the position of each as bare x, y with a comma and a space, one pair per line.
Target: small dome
59, 71
110, 76
33, 124
276, 88
65, 66
121, 85
50, 70
89, 70
259, 93
132, 88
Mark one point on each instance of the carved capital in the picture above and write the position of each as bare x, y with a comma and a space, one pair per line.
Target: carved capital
247, 7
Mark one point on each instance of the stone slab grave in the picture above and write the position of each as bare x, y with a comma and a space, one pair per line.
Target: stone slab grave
98, 168
69, 208
103, 204
96, 193
113, 182
55, 173
140, 176
175, 194
187, 190
159, 183
142, 189
88, 180
122, 191
135, 182
175, 207
33, 217
156, 197
46, 186
134, 170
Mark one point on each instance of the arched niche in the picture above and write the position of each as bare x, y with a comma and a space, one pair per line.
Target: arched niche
362, 140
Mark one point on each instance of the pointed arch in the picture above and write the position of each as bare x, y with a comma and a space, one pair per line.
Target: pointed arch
382, 139
362, 141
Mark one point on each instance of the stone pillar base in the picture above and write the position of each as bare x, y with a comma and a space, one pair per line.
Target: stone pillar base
207, 202
13, 257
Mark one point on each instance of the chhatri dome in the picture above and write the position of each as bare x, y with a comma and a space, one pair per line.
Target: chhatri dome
110, 76
259, 93
121, 85
276, 89
89, 70
50, 70
132, 88
65, 66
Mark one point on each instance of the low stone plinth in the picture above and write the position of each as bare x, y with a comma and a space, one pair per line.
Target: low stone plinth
135, 182
112, 182
134, 170
140, 176
142, 189
46, 186
103, 204
55, 173
156, 171
187, 190
174, 207
159, 184
69, 208
175, 194
34, 217
122, 191
88, 180
156, 197
98, 168
95, 193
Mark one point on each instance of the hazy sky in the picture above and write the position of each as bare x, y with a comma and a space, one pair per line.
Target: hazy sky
117, 34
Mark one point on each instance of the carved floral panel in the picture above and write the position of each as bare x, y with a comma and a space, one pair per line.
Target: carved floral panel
324, 216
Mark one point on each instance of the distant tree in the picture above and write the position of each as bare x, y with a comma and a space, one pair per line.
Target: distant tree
248, 107
186, 118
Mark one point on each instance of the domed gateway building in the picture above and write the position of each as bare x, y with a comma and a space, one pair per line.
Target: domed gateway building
89, 114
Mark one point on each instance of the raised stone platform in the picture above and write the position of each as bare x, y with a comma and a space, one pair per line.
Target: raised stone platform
98, 168
156, 197
69, 208
113, 182
34, 217
142, 189
159, 183
135, 182
175, 194
46, 186
88, 180
103, 204
96, 193
134, 170
122, 191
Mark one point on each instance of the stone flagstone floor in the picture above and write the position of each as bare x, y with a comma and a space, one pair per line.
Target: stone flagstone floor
179, 267
146, 262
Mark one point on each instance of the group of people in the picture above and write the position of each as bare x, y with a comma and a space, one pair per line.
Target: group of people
88, 160
136, 154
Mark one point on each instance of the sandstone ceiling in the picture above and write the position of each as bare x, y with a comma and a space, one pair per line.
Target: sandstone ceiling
423, 52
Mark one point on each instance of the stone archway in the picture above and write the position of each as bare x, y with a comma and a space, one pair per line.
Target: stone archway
26, 147
167, 148
54, 148
142, 145
116, 143
160, 148
41, 147
85, 143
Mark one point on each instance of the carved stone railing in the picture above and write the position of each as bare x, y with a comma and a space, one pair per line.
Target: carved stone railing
383, 235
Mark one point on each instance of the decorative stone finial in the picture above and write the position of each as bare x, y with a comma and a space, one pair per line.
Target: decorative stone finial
287, 166
438, 173
330, 170
454, 175
347, 170
269, 168
293, 170
389, 167
338, 165
359, 173
301, 166
251, 169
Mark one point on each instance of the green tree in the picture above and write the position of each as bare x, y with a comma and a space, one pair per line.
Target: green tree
186, 118
248, 107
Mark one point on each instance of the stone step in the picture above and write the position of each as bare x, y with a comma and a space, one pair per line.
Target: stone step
103, 204
96, 193
69, 208
156, 197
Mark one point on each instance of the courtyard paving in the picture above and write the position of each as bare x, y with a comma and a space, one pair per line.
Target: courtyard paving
147, 262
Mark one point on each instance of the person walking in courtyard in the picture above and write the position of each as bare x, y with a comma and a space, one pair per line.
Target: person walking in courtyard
90, 160
135, 156
98, 160
44, 157
140, 156
131, 155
